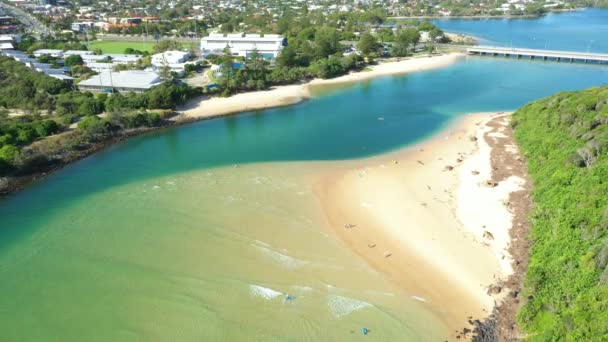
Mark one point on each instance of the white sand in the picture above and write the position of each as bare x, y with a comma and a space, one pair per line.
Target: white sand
482, 208
207, 107
421, 225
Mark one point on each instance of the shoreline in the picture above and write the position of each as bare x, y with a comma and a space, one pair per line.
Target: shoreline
409, 214
240, 103
488, 16
279, 96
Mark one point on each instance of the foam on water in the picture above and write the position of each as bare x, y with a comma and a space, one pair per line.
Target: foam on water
340, 306
264, 292
420, 299
278, 257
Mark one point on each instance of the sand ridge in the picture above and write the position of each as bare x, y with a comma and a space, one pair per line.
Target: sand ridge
413, 215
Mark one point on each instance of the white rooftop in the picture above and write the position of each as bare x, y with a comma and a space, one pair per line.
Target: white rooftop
62, 77
78, 52
48, 52
135, 79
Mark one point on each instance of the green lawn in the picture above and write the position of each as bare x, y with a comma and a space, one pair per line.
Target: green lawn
120, 46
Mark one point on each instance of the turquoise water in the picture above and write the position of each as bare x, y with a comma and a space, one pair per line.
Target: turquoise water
581, 30
341, 125
162, 237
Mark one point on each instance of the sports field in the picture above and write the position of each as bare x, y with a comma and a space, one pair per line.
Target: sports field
120, 46
110, 46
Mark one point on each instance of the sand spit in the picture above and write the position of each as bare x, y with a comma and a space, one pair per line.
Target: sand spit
430, 217
208, 107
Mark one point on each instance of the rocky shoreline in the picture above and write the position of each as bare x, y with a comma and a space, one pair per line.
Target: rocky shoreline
501, 324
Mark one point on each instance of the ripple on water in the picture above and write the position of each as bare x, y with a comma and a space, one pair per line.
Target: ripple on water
264, 292
340, 306
278, 257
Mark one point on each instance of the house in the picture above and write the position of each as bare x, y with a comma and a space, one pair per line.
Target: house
5, 20
268, 45
123, 81
82, 26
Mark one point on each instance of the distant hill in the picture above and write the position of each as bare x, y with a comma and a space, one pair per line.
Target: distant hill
565, 139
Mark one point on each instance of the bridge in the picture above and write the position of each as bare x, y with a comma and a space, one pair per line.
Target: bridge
569, 56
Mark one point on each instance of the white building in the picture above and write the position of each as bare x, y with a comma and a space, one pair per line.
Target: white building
169, 57
241, 45
123, 81
77, 52
52, 53
96, 62
175, 60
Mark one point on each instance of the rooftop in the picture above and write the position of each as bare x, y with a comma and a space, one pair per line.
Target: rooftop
135, 79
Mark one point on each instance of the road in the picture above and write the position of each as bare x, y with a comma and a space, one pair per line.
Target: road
32, 25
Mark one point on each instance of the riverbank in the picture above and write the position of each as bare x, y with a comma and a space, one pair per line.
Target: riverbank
61, 157
431, 218
209, 107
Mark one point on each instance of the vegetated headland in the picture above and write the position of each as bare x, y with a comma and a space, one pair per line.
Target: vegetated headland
560, 288
519, 199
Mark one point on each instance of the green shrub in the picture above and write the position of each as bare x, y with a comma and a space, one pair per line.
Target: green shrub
564, 139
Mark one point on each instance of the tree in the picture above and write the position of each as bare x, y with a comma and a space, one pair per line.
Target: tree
165, 73
93, 126
9, 153
327, 42
166, 45
403, 40
73, 60
227, 28
227, 63
368, 45
287, 57
46, 58
431, 47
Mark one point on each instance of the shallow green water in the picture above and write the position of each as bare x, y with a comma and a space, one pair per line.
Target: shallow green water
206, 255
162, 238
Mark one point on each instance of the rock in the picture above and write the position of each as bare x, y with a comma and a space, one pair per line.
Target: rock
488, 235
490, 183
473, 138
459, 160
494, 289
448, 168
474, 172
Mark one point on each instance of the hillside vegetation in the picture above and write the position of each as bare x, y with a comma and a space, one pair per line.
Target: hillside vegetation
565, 138
42, 106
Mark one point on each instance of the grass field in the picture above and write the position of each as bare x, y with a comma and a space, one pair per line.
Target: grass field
120, 46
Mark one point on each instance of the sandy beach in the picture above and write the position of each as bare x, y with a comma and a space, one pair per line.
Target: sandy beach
430, 217
209, 107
